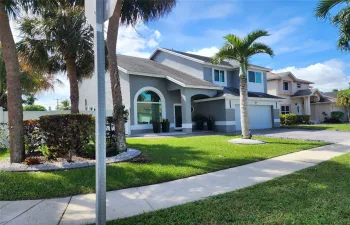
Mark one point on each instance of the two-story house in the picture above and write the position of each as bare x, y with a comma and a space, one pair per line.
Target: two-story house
177, 85
300, 98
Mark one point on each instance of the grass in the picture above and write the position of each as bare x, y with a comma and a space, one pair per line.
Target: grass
4, 153
340, 127
318, 195
170, 159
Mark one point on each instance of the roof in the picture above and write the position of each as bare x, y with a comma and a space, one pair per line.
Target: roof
332, 94
235, 92
141, 66
279, 76
326, 99
306, 92
207, 60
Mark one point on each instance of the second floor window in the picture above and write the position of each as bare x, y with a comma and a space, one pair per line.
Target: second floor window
285, 86
219, 76
299, 85
254, 77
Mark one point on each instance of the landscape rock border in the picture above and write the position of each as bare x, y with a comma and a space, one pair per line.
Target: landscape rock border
21, 167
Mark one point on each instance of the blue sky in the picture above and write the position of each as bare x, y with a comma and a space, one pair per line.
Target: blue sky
302, 44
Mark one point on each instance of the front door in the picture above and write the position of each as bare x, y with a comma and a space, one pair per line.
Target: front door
299, 109
178, 116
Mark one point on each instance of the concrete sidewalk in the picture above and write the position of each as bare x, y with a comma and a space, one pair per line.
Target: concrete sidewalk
80, 209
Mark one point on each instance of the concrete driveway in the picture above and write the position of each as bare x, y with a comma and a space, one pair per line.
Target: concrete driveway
317, 135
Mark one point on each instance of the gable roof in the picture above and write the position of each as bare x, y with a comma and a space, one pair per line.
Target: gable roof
235, 92
146, 67
204, 59
306, 92
332, 94
280, 76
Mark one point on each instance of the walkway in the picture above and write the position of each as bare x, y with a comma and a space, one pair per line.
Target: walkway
80, 209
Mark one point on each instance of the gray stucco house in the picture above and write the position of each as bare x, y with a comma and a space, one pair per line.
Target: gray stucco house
178, 85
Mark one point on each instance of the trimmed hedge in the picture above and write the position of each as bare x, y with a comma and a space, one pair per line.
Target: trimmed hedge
337, 116
303, 119
288, 119
66, 134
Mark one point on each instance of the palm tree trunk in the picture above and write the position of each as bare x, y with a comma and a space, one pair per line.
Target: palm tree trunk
118, 109
73, 83
15, 111
243, 89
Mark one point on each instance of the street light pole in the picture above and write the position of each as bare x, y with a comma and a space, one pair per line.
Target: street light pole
99, 47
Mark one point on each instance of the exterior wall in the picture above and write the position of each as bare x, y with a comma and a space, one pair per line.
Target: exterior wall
318, 111
208, 74
179, 63
88, 92
302, 86
273, 87
276, 117
291, 84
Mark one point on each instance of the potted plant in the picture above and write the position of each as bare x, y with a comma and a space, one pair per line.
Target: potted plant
156, 126
210, 122
165, 125
199, 120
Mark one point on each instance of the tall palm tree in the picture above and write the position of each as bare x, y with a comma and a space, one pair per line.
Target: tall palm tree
241, 50
60, 41
12, 8
65, 105
128, 12
341, 19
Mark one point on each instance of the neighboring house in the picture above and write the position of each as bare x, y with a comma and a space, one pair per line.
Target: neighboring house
300, 98
177, 85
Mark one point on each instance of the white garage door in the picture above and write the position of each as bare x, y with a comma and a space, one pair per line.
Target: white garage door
260, 117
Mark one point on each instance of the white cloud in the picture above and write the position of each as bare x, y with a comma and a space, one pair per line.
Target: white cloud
326, 76
209, 52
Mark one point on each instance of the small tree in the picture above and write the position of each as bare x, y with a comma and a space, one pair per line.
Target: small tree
65, 105
343, 100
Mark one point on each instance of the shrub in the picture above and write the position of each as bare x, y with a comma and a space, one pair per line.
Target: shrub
34, 108
66, 134
32, 135
46, 152
199, 119
282, 119
303, 119
211, 122
3, 136
337, 116
89, 149
289, 119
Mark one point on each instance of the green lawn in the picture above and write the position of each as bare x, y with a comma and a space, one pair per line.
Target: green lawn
340, 127
4, 153
318, 195
168, 159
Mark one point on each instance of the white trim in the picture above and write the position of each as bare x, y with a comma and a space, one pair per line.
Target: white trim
175, 81
225, 123
122, 69
187, 125
237, 98
276, 120
219, 82
176, 104
161, 96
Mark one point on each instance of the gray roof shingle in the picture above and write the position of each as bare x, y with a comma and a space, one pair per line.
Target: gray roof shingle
332, 94
235, 92
302, 93
141, 65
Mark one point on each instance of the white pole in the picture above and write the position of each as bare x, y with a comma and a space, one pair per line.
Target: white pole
99, 47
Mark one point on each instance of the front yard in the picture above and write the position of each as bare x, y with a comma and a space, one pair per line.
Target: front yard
318, 195
338, 127
164, 159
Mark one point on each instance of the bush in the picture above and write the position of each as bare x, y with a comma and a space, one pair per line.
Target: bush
288, 119
3, 136
199, 119
211, 122
32, 135
89, 149
303, 119
337, 116
46, 152
66, 134
34, 108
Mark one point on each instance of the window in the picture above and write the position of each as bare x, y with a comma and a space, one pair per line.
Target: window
219, 75
254, 77
285, 109
298, 85
285, 86
149, 107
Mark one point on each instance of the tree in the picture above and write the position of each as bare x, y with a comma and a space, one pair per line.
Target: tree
60, 41
34, 108
343, 100
64, 105
241, 50
12, 8
128, 12
341, 19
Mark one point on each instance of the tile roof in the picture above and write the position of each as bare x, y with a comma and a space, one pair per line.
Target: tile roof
332, 94
302, 93
141, 65
278, 76
235, 92
208, 59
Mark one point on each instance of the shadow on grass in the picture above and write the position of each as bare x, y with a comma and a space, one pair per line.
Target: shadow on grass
318, 195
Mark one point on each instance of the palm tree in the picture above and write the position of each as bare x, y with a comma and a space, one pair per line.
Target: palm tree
341, 19
128, 12
65, 105
241, 50
61, 41
12, 8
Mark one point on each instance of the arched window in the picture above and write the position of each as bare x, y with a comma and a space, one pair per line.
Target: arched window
150, 106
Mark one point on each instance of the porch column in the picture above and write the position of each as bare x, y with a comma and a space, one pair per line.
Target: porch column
186, 111
307, 105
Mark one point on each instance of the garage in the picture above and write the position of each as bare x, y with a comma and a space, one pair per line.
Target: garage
260, 117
